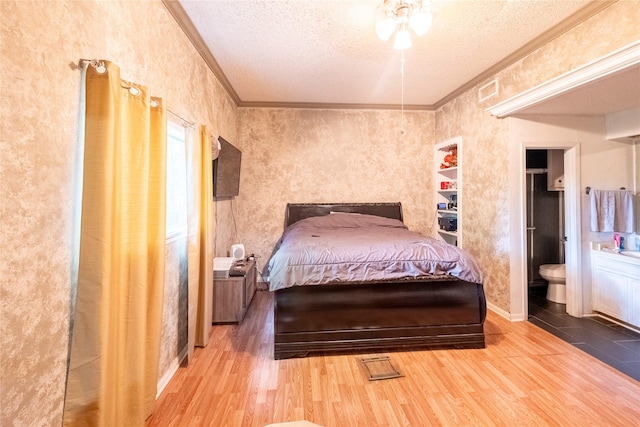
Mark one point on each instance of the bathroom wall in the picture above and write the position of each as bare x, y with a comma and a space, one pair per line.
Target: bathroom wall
544, 225
637, 187
42, 42
608, 165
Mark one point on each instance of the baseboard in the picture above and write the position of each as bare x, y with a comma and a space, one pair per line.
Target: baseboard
614, 320
162, 382
502, 313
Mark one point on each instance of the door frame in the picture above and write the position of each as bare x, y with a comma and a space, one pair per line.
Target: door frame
518, 233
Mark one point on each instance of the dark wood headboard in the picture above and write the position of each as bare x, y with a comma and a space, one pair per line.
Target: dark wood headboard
297, 211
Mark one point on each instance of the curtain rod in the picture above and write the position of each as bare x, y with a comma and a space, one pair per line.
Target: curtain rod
588, 189
184, 121
100, 67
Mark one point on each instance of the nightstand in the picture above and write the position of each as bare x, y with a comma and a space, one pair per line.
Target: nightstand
232, 296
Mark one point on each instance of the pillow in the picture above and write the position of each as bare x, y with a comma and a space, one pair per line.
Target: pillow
347, 220
344, 213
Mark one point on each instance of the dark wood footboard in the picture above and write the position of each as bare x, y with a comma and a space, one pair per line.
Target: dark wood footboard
396, 316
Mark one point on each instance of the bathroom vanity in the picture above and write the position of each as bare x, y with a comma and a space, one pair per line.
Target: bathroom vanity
616, 284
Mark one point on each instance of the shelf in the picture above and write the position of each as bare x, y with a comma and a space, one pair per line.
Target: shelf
448, 147
446, 170
451, 150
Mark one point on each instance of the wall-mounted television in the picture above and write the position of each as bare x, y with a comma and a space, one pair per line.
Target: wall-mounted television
226, 170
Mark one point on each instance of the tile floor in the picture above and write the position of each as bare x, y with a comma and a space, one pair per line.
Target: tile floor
609, 342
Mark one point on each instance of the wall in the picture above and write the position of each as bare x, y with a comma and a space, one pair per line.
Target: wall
605, 165
42, 40
174, 337
484, 199
226, 221
637, 184
305, 155
486, 137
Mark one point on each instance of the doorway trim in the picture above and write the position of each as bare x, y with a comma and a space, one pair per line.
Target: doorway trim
625, 58
518, 241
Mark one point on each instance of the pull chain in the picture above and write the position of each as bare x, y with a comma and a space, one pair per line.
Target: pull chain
402, 97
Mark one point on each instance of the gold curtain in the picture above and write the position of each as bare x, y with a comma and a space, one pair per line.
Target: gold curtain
113, 367
194, 200
205, 251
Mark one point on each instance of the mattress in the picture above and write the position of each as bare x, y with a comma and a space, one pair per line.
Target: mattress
348, 248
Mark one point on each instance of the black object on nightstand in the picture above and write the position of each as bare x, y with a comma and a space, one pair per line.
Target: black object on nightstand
238, 270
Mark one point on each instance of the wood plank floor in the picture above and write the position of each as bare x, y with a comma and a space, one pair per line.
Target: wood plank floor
525, 377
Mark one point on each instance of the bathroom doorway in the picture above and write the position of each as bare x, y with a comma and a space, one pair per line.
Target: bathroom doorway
520, 143
545, 225
545, 231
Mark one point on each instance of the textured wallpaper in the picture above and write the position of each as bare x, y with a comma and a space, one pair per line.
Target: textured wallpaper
304, 155
41, 40
485, 194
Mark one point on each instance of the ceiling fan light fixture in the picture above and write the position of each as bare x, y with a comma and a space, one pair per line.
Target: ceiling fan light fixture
385, 28
420, 22
403, 38
400, 15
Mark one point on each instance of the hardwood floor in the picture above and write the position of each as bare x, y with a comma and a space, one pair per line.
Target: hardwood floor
525, 376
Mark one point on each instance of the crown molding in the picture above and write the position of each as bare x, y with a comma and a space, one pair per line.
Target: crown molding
332, 106
574, 20
177, 11
607, 65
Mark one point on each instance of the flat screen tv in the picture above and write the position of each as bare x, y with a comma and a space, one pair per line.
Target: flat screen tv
226, 170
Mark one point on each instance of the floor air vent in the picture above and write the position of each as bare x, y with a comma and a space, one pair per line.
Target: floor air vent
379, 368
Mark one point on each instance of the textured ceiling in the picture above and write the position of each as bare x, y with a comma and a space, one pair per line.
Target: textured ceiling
314, 52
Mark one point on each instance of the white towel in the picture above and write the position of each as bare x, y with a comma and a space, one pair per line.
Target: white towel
612, 210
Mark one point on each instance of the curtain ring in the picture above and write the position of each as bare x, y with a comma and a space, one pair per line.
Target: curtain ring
132, 89
95, 63
98, 65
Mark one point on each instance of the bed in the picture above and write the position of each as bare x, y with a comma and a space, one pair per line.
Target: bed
319, 309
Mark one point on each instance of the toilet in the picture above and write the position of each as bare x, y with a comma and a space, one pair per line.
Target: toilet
556, 275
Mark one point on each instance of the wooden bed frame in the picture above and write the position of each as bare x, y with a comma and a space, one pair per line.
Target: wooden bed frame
399, 315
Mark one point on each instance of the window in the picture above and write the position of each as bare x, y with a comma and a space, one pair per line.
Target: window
176, 180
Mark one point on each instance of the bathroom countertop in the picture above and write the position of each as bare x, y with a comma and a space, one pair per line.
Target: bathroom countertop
615, 283
631, 257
